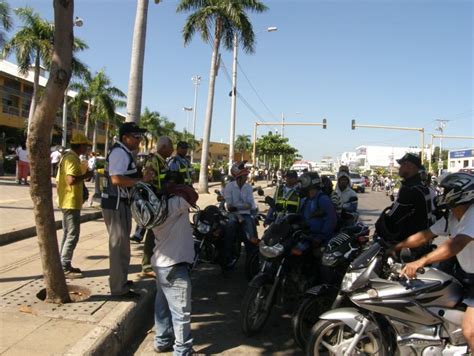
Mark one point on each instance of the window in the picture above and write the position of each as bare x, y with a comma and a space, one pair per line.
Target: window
451, 164
465, 163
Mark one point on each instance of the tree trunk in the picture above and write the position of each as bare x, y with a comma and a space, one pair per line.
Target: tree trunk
135, 83
34, 97
107, 127
88, 114
38, 146
203, 182
94, 137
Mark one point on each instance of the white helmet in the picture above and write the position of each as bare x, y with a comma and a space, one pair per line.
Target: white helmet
458, 188
149, 209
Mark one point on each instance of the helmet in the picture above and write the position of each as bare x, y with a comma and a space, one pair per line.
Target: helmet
458, 188
326, 185
149, 209
239, 170
386, 230
310, 180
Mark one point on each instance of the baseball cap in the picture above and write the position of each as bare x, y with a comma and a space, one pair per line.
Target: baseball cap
410, 157
80, 139
130, 127
291, 174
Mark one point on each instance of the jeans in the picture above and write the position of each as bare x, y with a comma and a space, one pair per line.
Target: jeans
173, 308
71, 231
246, 227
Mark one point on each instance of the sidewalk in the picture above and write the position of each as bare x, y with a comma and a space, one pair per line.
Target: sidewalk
97, 326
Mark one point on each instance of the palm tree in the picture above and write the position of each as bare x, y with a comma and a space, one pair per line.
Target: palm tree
242, 144
101, 99
134, 101
227, 18
5, 20
33, 44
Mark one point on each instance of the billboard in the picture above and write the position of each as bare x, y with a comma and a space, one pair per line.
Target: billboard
461, 153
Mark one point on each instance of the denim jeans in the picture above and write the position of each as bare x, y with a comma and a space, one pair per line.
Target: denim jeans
71, 231
173, 308
234, 227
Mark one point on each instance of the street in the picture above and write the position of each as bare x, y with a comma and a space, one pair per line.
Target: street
216, 307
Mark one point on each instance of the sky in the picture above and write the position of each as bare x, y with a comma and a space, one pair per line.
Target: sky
383, 62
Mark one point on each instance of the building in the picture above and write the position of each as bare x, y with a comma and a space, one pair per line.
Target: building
370, 157
348, 158
219, 153
461, 159
16, 91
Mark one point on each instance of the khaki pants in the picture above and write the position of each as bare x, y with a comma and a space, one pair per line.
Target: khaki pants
119, 226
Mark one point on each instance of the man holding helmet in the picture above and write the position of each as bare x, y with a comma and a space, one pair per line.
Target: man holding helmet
239, 199
458, 197
317, 210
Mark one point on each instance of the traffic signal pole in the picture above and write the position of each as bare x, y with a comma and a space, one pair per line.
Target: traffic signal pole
420, 129
282, 124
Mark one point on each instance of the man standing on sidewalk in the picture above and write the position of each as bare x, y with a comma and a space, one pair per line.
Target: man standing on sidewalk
158, 164
121, 174
172, 258
70, 185
179, 163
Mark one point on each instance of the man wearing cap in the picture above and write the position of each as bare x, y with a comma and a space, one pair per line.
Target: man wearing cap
287, 199
121, 174
179, 163
411, 212
347, 196
70, 184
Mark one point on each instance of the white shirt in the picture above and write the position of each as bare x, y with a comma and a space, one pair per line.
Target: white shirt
118, 164
345, 194
237, 197
91, 163
55, 157
174, 238
465, 226
22, 154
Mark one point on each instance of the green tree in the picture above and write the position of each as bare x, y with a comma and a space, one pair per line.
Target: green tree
135, 82
223, 18
33, 44
5, 20
270, 147
243, 144
39, 151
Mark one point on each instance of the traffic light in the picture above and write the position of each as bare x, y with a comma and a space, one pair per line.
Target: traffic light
325, 122
353, 124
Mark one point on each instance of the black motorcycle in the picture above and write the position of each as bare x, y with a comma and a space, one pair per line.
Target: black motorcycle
282, 276
338, 254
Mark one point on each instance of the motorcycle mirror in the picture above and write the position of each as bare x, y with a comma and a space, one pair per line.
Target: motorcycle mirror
260, 192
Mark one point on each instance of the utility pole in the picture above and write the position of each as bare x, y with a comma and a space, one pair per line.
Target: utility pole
282, 135
233, 106
196, 81
440, 128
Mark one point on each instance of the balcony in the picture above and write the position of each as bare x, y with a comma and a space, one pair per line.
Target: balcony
11, 110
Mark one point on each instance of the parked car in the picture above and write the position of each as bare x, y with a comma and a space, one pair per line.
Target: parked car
357, 182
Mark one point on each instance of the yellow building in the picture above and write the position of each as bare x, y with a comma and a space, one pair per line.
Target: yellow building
218, 153
16, 91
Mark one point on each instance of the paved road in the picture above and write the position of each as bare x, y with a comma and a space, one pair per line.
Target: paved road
216, 308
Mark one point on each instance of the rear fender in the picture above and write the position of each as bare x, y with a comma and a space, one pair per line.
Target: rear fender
349, 316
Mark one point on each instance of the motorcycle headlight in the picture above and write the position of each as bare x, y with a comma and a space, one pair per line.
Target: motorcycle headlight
350, 278
203, 228
271, 251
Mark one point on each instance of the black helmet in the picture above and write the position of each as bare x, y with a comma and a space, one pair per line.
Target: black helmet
386, 230
310, 180
458, 188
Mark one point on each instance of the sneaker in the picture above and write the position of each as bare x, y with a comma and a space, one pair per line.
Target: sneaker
164, 348
136, 239
74, 269
73, 275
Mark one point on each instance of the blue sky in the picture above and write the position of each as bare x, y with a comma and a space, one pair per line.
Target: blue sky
403, 63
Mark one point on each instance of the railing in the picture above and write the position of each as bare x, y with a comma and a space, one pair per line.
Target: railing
11, 110
16, 92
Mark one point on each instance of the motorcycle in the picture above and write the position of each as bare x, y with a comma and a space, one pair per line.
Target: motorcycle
282, 276
422, 316
338, 253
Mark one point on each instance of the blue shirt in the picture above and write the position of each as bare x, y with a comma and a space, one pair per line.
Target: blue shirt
321, 227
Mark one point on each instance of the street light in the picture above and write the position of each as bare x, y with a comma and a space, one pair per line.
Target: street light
234, 96
187, 109
77, 22
196, 81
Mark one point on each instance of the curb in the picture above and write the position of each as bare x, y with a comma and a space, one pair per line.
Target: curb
119, 328
17, 235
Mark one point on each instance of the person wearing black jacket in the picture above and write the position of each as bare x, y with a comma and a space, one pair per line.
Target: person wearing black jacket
412, 210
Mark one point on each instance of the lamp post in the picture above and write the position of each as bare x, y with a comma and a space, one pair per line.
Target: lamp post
188, 109
77, 22
233, 107
196, 81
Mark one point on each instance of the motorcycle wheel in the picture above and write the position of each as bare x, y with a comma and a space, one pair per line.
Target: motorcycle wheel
206, 253
252, 265
332, 337
307, 314
252, 310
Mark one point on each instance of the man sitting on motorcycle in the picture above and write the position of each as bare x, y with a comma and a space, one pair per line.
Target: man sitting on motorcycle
317, 210
458, 197
239, 200
345, 192
287, 199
